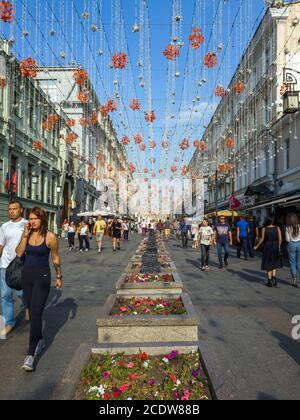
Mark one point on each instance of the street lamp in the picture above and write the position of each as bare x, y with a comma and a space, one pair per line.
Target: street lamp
290, 102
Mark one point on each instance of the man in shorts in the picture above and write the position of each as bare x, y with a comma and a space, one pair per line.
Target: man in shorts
99, 230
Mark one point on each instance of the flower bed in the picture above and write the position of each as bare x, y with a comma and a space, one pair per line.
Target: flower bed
147, 306
170, 377
148, 278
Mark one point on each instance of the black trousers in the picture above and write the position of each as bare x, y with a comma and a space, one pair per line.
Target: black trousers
126, 234
71, 239
205, 255
84, 240
185, 239
36, 283
243, 245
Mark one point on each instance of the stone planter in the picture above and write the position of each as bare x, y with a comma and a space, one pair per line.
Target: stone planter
147, 333
165, 268
173, 287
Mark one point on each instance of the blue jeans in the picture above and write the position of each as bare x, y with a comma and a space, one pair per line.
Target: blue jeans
243, 245
7, 302
220, 252
294, 258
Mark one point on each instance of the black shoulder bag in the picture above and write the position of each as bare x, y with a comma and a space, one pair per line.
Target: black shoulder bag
13, 274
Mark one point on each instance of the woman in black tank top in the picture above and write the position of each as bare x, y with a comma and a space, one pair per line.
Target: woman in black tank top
36, 246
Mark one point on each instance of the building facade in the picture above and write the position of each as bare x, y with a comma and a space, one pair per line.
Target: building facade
252, 143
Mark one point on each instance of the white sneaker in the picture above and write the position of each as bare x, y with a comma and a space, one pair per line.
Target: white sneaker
86, 250
28, 364
81, 250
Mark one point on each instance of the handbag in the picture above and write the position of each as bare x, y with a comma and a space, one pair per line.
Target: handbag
13, 275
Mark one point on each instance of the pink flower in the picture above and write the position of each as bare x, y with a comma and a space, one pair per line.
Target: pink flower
133, 376
146, 311
123, 309
105, 374
123, 388
130, 365
186, 395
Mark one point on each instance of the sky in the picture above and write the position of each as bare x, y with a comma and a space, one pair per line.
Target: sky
44, 29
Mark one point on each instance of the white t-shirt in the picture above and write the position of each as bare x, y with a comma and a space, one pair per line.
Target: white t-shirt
125, 226
206, 234
10, 236
289, 236
84, 231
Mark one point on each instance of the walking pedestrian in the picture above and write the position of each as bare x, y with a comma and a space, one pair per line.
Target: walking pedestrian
152, 228
195, 234
84, 237
242, 237
10, 234
177, 229
223, 238
184, 233
71, 236
168, 229
99, 230
116, 227
65, 227
36, 244
206, 234
253, 236
125, 228
293, 240
272, 256
160, 228
144, 226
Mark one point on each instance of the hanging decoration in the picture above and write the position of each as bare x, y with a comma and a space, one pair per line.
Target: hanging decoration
125, 141
119, 60
71, 137
146, 171
196, 38
135, 105
50, 122
37, 145
150, 117
101, 159
80, 76
152, 144
196, 144
210, 60
28, 67
165, 144
161, 171
185, 170
225, 168
132, 168
219, 91
109, 107
71, 123
174, 168
138, 138
171, 52
229, 143
239, 87
110, 167
83, 97
184, 145
203, 146
84, 122
142, 147
7, 11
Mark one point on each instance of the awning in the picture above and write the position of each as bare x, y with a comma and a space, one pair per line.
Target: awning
258, 189
285, 201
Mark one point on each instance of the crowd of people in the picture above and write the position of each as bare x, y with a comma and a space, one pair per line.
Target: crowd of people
115, 228
271, 239
30, 243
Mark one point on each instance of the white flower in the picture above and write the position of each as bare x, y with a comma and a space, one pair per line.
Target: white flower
146, 364
178, 382
165, 360
93, 389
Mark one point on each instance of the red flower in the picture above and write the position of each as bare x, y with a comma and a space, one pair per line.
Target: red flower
117, 393
144, 356
133, 376
106, 396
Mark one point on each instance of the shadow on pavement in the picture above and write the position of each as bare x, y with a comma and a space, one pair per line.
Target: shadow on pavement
290, 346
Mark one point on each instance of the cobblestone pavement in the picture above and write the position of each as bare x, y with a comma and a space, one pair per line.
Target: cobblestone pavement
245, 331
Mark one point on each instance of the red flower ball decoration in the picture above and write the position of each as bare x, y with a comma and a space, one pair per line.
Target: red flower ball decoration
125, 141
146, 171
165, 144
185, 170
239, 87
229, 143
196, 144
71, 137
2, 81
152, 144
171, 52
142, 147
150, 117
174, 169
161, 172
196, 38
225, 167
203, 146
184, 145
28, 67
7, 11
119, 60
37, 145
80, 76
110, 168
83, 97
138, 138
84, 122
108, 108
71, 123
135, 105
219, 91
94, 118
132, 168
210, 60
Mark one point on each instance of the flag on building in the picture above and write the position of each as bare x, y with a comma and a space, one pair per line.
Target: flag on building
6, 183
234, 203
14, 182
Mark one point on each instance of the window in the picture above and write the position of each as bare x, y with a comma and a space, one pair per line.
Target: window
287, 154
43, 178
50, 88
